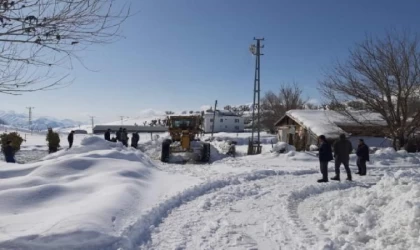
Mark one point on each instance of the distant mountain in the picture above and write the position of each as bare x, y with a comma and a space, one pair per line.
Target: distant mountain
20, 120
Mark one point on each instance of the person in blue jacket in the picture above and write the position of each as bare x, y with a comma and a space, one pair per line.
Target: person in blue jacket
325, 155
9, 153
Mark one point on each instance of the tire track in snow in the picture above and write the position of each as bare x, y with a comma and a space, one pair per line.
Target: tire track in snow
298, 196
140, 232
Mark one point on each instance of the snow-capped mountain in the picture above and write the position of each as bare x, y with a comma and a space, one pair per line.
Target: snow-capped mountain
20, 120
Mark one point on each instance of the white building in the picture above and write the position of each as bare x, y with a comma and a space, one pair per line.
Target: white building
224, 121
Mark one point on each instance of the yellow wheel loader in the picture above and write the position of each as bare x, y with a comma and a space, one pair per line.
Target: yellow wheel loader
184, 131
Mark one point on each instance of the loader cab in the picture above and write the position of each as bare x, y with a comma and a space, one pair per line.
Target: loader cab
183, 124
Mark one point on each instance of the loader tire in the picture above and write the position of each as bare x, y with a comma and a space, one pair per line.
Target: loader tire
166, 151
205, 154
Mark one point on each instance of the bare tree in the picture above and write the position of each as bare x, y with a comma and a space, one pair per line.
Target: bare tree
274, 106
291, 94
244, 108
39, 35
384, 74
334, 105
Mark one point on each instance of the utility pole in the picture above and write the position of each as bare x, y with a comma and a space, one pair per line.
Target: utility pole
256, 51
92, 120
122, 119
30, 118
214, 118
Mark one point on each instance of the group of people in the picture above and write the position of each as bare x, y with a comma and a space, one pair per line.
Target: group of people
122, 136
341, 150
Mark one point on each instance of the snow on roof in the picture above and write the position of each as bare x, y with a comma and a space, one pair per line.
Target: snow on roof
222, 112
328, 122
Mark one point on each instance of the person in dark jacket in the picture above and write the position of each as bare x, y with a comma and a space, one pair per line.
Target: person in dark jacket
9, 153
135, 140
362, 157
70, 139
325, 155
342, 150
108, 135
119, 133
124, 137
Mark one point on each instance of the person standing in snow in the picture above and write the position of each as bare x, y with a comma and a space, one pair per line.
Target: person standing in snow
119, 133
362, 157
325, 155
135, 140
70, 139
124, 137
108, 135
9, 152
342, 150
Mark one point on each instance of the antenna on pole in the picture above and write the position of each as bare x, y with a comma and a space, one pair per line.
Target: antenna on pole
255, 49
30, 118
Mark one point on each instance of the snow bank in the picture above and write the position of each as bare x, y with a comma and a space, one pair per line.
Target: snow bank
283, 147
80, 198
242, 138
385, 216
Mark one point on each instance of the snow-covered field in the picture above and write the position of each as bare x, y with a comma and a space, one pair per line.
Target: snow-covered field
100, 195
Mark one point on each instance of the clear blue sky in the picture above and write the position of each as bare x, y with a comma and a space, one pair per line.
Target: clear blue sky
182, 54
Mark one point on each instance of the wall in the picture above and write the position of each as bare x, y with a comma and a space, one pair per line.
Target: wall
284, 130
223, 123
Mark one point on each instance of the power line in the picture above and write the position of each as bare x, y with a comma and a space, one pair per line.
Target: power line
92, 120
30, 117
255, 49
122, 119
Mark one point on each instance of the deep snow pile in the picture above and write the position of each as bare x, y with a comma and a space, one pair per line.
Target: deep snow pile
221, 141
385, 216
85, 196
242, 138
282, 147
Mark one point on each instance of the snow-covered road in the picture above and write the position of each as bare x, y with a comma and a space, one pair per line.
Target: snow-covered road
249, 214
256, 209
267, 201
